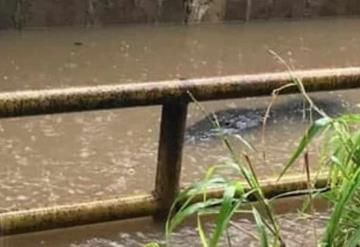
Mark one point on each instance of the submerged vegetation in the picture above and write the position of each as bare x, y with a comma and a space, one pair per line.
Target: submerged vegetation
339, 160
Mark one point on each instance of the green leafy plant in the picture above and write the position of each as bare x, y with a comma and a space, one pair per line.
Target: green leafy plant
233, 197
340, 157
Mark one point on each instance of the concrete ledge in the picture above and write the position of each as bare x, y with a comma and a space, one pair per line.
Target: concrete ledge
30, 13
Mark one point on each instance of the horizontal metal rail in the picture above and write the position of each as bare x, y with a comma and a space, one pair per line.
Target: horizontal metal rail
123, 208
173, 96
23, 103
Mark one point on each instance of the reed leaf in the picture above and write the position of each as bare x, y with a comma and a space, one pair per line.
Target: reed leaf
202, 233
312, 131
264, 242
227, 210
354, 241
347, 192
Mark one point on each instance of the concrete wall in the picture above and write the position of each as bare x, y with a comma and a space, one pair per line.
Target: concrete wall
20, 13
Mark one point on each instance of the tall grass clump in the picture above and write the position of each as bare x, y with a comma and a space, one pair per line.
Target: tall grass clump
233, 197
339, 158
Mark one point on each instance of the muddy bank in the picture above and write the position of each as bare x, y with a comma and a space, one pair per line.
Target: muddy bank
30, 13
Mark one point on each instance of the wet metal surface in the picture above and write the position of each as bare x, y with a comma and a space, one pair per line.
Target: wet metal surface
297, 231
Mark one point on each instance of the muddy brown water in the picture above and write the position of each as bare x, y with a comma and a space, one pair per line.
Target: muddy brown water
65, 158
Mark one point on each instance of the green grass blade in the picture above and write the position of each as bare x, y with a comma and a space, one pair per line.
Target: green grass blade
339, 165
152, 245
264, 242
202, 233
227, 209
180, 216
350, 118
346, 194
314, 129
245, 142
355, 240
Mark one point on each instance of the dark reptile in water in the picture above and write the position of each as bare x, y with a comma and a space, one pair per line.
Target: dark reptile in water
239, 120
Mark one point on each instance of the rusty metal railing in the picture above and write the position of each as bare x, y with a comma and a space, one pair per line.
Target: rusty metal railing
174, 98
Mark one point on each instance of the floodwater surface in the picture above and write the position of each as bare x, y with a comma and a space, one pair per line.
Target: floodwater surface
67, 158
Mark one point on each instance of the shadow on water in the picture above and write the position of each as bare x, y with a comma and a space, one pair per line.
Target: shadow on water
241, 120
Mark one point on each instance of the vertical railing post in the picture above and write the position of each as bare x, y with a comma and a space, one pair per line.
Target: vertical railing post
173, 123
